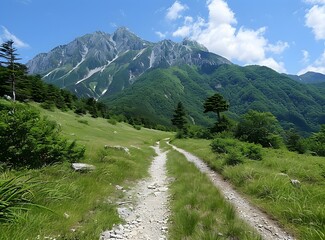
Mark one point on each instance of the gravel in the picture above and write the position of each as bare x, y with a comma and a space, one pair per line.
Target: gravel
147, 219
262, 223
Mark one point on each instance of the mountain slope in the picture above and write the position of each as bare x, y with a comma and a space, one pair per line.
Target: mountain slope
156, 93
146, 80
309, 78
100, 64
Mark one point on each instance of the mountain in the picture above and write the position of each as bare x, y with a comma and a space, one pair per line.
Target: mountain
99, 64
146, 80
156, 94
309, 78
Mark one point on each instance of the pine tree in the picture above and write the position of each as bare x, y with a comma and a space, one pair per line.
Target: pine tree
8, 52
179, 117
217, 104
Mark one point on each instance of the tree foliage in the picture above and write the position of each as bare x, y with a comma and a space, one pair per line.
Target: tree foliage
179, 117
259, 127
217, 104
8, 53
317, 142
27, 139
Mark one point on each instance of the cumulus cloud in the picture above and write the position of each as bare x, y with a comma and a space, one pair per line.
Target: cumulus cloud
6, 35
174, 12
160, 34
220, 34
315, 19
317, 66
315, 1
305, 58
277, 48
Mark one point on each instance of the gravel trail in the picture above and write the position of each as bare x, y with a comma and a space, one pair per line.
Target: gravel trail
268, 229
147, 219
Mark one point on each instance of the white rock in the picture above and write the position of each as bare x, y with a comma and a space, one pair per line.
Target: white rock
82, 167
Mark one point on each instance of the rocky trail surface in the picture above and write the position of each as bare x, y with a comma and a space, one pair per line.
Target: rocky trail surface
266, 227
147, 220
145, 210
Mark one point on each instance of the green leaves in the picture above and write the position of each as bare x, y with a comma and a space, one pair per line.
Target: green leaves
27, 139
259, 127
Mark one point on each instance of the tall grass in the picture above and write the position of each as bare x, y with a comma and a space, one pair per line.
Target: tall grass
83, 204
199, 211
267, 184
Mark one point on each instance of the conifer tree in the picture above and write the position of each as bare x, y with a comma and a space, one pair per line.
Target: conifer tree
8, 53
179, 117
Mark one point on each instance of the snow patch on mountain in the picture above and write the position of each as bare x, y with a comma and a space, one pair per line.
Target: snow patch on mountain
139, 54
90, 73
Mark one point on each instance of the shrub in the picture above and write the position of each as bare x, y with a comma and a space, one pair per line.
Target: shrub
83, 121
112, 121
234, 158
137, 127
219, 145
252, 151
27, 139
48, 105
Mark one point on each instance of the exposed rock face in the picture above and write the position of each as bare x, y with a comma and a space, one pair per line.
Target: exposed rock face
99, 63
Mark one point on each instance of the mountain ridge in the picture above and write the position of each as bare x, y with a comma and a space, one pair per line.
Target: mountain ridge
99, 63
146, 80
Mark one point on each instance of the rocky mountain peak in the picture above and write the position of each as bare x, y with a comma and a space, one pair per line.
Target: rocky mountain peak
126, 40
194, 44
98, 64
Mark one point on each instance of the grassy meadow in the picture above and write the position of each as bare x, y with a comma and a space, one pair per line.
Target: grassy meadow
78, 205
267, 184
198, 210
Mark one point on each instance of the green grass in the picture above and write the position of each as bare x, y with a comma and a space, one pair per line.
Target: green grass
198, 210
267, 184
82, 204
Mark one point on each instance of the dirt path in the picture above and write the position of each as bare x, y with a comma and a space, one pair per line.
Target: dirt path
147, 219
268, 228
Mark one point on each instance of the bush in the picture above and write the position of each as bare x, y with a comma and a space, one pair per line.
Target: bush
219, 145
29, 140
112, 121
259, 127
195, 131
48, 105
234, 158
83, 121
137, 127
252, 151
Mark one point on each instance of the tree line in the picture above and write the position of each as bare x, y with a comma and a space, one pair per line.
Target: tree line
256, 127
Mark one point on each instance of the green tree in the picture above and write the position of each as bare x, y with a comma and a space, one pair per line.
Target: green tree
8, 53
259, 127
294, 142
179, 117
317, 142
217, 104
29, 140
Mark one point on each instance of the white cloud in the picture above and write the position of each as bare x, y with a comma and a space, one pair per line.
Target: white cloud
160, 34
305, 58
317, 66
6, 35
221, 36
315, 1
277, 48
315, 19
271, 63
174, 12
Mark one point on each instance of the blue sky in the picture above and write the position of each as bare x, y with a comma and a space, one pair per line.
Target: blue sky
286, 35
